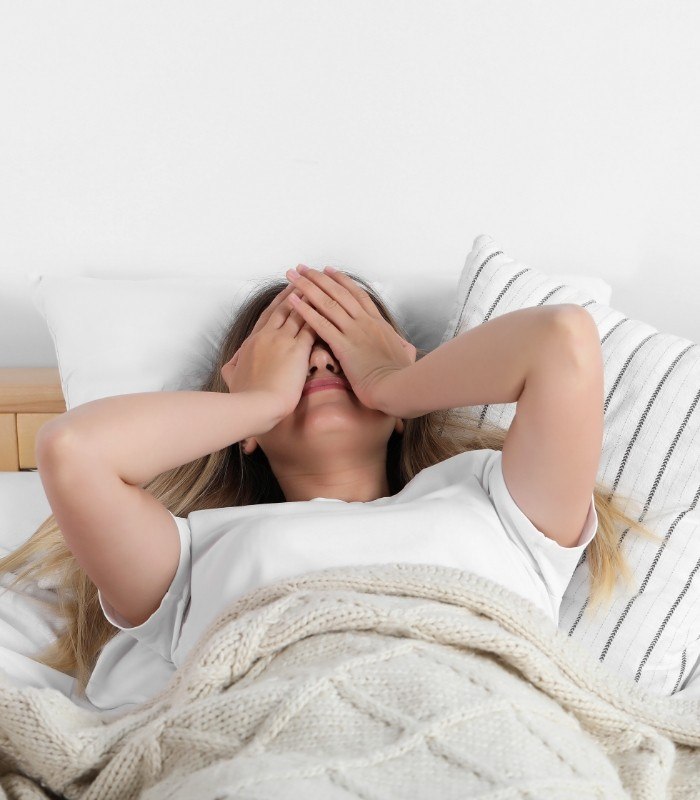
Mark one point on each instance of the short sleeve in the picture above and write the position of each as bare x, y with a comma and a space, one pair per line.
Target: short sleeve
554, 562
161, 631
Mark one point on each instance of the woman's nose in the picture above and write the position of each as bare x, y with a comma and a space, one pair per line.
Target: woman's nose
321, 358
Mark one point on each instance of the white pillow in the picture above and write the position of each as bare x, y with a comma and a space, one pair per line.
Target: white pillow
651, 453
123, 336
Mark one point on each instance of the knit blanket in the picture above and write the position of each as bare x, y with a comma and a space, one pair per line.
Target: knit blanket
393, 681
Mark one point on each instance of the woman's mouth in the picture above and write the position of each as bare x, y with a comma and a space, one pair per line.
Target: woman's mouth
312, 389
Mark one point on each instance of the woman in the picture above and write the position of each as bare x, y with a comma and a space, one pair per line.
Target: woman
168, 505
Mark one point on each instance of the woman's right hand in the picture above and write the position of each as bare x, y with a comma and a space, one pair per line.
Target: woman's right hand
274, 358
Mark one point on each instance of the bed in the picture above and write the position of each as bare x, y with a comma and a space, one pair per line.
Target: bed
390, 681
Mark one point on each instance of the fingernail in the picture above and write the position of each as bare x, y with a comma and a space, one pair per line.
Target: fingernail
292, 273
302, 267
330, 269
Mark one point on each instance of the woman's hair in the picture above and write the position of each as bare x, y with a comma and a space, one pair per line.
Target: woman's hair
228, 478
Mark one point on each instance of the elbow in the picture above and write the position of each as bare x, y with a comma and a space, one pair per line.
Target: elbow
54, 442
574, 332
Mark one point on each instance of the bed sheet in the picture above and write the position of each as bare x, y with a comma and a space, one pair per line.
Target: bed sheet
28, 621
27, 624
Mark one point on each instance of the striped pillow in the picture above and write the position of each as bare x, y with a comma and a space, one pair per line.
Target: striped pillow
651, 454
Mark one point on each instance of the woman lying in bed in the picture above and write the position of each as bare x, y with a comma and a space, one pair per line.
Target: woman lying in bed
320, 440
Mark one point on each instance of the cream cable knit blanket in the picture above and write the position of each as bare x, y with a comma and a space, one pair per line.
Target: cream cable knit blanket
395, 681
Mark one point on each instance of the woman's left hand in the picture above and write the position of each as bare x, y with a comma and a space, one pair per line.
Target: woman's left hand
344, 315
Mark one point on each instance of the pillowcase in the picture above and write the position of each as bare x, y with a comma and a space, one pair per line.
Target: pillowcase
650, 454
123, 336
118, 336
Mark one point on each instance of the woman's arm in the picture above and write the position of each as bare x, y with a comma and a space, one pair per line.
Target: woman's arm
487, 364
92, 459
138, 436
548, 361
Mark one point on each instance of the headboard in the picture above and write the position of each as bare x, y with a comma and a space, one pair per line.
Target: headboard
29, 397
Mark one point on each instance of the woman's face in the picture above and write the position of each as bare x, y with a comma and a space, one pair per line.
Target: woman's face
330, 440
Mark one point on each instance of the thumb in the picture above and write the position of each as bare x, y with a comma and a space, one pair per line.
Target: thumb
407, 346
404, 343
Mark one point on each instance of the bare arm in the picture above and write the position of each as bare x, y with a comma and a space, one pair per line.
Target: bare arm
138, 436
549, 361
487, 364
92, 459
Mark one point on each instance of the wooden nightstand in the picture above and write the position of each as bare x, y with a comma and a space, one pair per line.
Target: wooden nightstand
29, 397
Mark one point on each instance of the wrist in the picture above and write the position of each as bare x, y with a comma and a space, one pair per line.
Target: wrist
391, 396
270, 409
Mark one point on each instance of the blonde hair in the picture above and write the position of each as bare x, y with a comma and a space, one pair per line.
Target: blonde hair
226, 478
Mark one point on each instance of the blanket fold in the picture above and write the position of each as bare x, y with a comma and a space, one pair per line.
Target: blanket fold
391, 681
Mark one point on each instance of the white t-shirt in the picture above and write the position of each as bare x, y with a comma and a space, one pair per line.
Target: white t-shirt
458, 513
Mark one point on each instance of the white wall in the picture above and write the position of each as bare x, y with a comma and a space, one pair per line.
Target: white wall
141, 138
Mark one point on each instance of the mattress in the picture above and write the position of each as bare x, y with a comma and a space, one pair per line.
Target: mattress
28, 620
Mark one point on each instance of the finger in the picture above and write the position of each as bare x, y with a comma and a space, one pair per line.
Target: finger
317, 322
298, 328
409, 348
232, 361
328, 297
281, 314
307, 335
406, 345
277, 301
361, 296
294, 322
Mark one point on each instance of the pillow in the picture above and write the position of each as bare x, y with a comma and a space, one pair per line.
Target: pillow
122, 336
118, 336
651, 454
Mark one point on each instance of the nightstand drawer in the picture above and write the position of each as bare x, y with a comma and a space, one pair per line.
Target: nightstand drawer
27, 428
9, 458
29, 398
